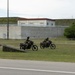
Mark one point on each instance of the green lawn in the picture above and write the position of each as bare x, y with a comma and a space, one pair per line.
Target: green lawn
65, 51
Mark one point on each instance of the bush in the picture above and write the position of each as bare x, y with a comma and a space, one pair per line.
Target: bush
70, 32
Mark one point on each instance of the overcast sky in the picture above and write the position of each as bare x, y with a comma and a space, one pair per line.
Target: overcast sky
53, 9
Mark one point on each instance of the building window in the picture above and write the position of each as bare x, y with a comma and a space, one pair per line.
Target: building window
31, 23
47, 23
51, 24
41, 23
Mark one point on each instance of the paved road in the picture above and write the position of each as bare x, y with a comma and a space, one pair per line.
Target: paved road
27, 67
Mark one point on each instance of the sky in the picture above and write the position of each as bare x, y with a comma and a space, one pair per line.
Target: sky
53, 9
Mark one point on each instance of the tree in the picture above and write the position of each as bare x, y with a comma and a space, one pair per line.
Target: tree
70, 32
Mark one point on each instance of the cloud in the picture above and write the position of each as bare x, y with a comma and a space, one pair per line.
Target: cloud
40, 8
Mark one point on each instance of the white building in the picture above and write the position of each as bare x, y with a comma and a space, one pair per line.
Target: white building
41, 22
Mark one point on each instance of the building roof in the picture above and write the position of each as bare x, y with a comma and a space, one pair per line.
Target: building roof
36, 19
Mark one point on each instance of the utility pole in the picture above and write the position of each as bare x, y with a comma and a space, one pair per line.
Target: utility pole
7, 19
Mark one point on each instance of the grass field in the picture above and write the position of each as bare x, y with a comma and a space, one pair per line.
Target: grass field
65, 51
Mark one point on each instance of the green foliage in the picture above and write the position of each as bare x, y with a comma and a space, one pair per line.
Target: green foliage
64, 22
70, 31
12, 20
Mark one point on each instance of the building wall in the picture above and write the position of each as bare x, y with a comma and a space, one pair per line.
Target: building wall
50, 23
41, 23
41, 32
21, 32
3, 32
14, 32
